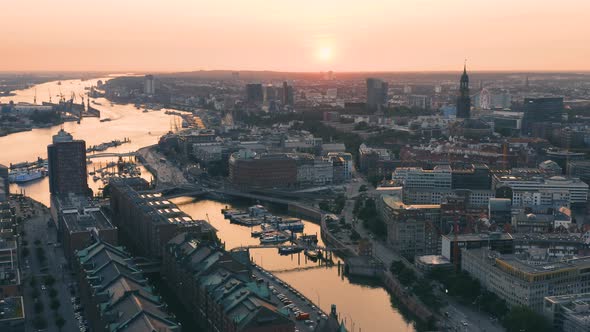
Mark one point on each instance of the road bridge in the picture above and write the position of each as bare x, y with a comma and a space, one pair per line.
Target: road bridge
111, 154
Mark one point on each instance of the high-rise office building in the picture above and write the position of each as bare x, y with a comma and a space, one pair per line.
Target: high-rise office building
376, 93
541, 111
149, 87
67, 165
254, 93
4, 185
287, 97
464, 100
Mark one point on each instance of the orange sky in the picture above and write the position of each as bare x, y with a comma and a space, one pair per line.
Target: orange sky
294, 35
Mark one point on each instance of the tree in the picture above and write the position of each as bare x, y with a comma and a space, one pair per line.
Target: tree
54, 305
52, 292
49, 280
363, 188
60, 322
38, 307
33, 281
375, 180
39, 323
523, 319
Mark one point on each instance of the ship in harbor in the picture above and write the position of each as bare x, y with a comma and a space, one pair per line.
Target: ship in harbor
26, 175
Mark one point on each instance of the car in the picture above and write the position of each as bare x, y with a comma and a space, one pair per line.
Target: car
43, 287
309, 322
464, 323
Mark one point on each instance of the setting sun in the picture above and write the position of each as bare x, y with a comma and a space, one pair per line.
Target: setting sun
325, 53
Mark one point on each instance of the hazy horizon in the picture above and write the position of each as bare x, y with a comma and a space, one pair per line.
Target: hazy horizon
295, 36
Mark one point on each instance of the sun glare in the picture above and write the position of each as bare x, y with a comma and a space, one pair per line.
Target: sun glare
325, 53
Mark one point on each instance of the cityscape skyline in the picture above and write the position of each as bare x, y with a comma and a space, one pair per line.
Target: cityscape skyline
297, 36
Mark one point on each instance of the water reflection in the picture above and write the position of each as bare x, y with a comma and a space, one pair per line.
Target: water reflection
363, 304
127, 121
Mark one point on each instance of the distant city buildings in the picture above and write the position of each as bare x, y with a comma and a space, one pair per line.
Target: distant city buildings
254, 93
539, 113
376, 93
149, 85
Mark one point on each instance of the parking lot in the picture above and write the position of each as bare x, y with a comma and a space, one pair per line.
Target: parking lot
41, 237
304, 312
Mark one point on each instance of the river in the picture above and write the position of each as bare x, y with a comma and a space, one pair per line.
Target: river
363, 306
142, 129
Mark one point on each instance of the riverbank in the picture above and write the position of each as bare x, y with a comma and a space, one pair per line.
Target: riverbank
166, 174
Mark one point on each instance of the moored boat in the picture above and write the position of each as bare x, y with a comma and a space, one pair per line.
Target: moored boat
313, 254
279, 238
287, 250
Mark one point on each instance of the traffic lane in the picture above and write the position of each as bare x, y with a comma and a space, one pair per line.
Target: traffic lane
295, 297
36, 228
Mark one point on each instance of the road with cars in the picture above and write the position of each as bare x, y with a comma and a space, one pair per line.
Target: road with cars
37, 228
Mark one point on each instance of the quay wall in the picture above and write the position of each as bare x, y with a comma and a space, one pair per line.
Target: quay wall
305, 211
409, 300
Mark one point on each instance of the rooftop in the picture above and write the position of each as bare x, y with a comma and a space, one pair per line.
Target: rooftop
480, 237
395, 203
86, 219
12, 308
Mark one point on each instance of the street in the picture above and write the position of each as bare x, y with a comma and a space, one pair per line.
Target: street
299, 300
36, 229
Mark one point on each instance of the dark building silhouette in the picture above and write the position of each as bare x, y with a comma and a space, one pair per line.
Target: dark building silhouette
472, 177
287, 97
67, 165
464, 100
539, 113
376, 93
4, 184
254, 93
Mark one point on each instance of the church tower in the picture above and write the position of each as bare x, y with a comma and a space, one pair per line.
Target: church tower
464, 101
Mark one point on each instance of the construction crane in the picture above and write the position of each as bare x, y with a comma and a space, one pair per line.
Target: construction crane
35, 98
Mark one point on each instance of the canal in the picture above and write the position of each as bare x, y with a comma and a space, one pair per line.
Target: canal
366, 306
362, 305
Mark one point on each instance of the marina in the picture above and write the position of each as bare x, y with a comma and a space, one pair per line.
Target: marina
322, 282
